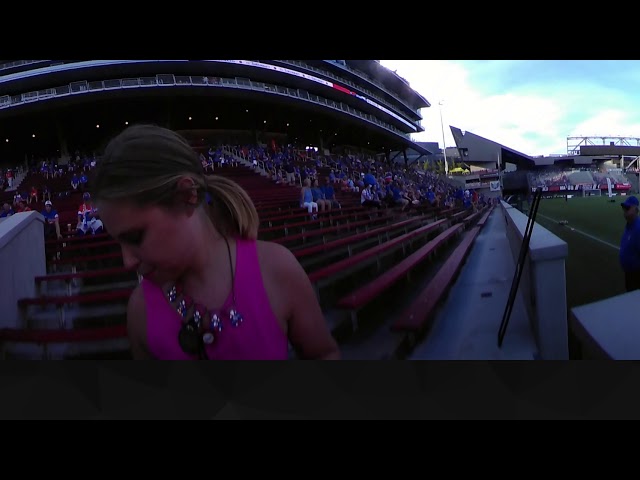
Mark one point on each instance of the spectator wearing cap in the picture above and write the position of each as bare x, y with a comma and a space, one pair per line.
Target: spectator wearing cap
88, 217
51, 221
369, 179
630, 244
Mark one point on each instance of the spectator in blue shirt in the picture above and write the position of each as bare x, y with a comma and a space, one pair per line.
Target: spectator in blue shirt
6, 211
630, 244
83, 182
51, 221
369, 179
329, 193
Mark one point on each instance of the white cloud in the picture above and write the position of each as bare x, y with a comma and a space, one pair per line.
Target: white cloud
608, 122
535, 120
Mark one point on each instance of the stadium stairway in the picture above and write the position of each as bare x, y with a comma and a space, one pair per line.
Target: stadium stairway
17, 182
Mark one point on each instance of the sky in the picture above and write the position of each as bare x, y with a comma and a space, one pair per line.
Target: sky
529, 106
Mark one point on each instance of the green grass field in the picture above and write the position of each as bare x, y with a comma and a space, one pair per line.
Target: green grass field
592, 268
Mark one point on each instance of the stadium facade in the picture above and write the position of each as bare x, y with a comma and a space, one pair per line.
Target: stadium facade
62, 105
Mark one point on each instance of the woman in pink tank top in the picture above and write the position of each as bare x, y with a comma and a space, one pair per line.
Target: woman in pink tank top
210, 289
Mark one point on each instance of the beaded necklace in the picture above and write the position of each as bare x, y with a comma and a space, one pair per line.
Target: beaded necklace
201, 326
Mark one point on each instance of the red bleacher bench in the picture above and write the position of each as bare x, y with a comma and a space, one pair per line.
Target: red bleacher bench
459, 215
470, 219
447, 212
357, 299
344, 266
322, 232
119, 295
87, 274
112, 295
92, 258
332, 219
485, 217
44, 336
352, 239
417, 316
69, 277
79, 246
304, 213
73, 238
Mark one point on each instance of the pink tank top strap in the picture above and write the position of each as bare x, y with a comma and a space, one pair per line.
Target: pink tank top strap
258, 337
251, 295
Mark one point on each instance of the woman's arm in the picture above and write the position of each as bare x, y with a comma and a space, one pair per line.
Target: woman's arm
306, 326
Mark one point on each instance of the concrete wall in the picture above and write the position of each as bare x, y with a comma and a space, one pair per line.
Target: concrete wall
22, 258
543, 283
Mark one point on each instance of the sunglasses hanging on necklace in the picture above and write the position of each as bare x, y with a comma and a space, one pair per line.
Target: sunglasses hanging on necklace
202, 326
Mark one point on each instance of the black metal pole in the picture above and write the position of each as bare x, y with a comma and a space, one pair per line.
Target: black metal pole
524, 250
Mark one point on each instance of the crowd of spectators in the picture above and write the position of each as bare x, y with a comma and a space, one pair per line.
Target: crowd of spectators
379, 183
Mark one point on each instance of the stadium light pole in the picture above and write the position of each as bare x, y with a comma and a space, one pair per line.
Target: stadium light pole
444, 145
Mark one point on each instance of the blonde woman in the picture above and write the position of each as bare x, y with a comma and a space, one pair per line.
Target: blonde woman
210, 290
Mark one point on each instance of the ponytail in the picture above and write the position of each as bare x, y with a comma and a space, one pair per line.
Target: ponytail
231, 209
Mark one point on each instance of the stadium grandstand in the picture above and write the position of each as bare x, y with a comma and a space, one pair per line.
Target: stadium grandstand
390, 265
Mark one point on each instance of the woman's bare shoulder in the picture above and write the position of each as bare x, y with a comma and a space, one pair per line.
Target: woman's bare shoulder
275, 258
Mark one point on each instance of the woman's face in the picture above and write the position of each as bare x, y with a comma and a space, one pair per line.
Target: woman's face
159, 243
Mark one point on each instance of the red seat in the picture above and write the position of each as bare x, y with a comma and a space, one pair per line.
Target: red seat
87, 274
91, 258
62, 336
365, 294
108, 296
361, 258
416, 317
328, 230
485, 217
351, 239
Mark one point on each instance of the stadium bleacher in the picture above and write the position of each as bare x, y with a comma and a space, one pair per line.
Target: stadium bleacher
355, 256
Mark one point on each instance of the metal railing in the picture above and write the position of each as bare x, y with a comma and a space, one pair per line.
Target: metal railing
19, 63
59, 67
300, 64
168, 80
366, 77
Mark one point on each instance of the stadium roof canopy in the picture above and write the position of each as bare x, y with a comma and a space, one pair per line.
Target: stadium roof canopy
387, 77
85, 124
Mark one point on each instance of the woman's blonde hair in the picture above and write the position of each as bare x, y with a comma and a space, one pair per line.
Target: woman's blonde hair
144, 164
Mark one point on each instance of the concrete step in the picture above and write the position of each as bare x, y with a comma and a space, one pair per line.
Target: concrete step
105, 348
60, 288
75, 316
